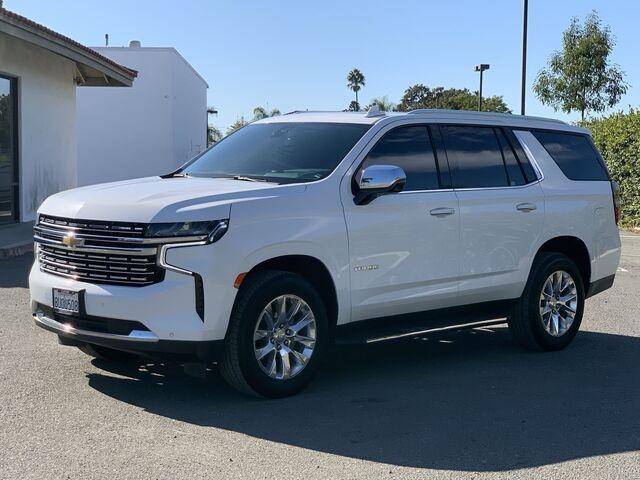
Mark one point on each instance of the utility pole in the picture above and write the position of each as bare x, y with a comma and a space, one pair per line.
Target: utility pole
481, 68
524, 57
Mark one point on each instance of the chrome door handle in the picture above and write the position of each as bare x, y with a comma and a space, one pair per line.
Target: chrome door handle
442, 212
526, 207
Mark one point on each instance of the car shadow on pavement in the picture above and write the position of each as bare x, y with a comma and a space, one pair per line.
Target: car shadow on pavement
467, 402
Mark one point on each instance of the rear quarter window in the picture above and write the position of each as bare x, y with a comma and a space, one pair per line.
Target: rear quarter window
575, 154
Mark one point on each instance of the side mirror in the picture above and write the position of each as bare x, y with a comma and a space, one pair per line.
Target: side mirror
377, 180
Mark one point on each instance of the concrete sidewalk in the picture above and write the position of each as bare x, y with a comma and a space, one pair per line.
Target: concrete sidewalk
16, 240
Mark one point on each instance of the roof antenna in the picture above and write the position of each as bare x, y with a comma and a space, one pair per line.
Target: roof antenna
106, 39
374, 111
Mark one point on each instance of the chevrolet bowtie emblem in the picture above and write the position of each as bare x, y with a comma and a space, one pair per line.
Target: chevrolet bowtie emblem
70, 240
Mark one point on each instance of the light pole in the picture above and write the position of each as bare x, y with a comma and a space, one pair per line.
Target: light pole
481, 68
524, 56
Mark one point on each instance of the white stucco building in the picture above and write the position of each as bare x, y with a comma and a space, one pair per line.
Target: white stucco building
149, 129
39, 72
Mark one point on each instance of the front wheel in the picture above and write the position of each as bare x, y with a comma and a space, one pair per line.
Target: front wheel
549, 313
277, 335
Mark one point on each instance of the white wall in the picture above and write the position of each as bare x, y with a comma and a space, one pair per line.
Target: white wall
47, 120
148, 129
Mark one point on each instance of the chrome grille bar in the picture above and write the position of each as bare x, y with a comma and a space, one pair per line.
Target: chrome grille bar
111, 252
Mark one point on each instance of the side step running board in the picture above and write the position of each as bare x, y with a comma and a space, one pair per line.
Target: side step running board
464, 326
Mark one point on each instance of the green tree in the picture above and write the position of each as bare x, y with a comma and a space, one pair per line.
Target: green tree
382, 103
617, 137
355, 82
214, 135
260, 112
239, 123
421, 96
353, 106
581, 76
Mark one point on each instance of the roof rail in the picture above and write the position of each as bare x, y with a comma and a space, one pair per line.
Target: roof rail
495, 115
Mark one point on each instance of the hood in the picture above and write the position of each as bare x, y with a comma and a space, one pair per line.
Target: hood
155, 199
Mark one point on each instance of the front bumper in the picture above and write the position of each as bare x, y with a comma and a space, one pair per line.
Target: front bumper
170, 309
142, 342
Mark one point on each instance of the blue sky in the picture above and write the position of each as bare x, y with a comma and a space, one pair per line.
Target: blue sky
296, 54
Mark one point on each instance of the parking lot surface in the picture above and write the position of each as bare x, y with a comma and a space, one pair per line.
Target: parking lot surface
463, 406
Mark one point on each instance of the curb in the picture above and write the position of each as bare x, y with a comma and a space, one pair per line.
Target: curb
15, 250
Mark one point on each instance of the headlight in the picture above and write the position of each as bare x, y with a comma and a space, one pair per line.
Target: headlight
213, 230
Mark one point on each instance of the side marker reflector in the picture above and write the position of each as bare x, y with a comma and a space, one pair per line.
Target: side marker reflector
239, 280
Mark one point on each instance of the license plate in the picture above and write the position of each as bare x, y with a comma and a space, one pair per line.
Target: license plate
66, 301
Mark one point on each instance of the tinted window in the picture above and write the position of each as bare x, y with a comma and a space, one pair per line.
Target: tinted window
279, 152
575, 155
474, 154
409, 148
526, 166
516, 176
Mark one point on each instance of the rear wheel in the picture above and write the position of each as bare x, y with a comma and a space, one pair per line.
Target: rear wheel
549, 313
107, 354
277, 335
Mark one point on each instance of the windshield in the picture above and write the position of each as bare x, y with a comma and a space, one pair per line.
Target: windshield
279, 152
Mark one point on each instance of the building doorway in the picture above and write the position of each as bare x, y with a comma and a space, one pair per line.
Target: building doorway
9, 181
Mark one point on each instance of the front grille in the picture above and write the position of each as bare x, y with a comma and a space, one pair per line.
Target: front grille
99, 267
97, 251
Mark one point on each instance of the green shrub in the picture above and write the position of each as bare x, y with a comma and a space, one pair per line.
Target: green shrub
618, 139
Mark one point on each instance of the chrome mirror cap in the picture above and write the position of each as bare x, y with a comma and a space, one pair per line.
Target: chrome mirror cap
377, 180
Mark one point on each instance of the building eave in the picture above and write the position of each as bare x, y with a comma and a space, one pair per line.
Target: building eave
92, 69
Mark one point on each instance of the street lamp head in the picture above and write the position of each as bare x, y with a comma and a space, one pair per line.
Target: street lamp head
482, 67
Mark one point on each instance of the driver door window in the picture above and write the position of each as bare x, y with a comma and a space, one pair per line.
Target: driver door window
409, 148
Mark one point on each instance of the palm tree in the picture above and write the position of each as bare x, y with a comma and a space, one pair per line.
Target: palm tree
260, 112
355, 81
383, 104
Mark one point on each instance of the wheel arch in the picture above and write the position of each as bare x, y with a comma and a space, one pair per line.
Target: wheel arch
575, 249
310, 268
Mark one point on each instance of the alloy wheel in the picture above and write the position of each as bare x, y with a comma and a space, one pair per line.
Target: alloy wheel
558, 303
284, 337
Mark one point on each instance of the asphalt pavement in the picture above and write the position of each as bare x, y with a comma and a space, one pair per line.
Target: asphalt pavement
470, 405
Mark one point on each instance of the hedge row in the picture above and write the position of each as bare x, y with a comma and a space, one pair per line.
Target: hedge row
618, 139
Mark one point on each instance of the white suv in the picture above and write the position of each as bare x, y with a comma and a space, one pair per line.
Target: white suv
310, 227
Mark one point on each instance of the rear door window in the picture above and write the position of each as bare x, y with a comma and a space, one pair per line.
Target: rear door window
575, 154
516, 175
475, 157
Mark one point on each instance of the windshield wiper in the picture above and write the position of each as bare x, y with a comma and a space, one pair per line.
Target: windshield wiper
247, 179
180, 175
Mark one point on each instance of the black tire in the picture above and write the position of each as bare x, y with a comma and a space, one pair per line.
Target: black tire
239, 365
108, 354
526, 324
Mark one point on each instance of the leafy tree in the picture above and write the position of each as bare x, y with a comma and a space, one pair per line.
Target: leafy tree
355, 81
581, 77
382, 103
618, 139
260, 112
354, 106
214, 135
421, 96
239, 123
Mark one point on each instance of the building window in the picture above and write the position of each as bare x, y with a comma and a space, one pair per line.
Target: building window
8, 150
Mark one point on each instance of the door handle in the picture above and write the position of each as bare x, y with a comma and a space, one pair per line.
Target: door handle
441, 212
526, 207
